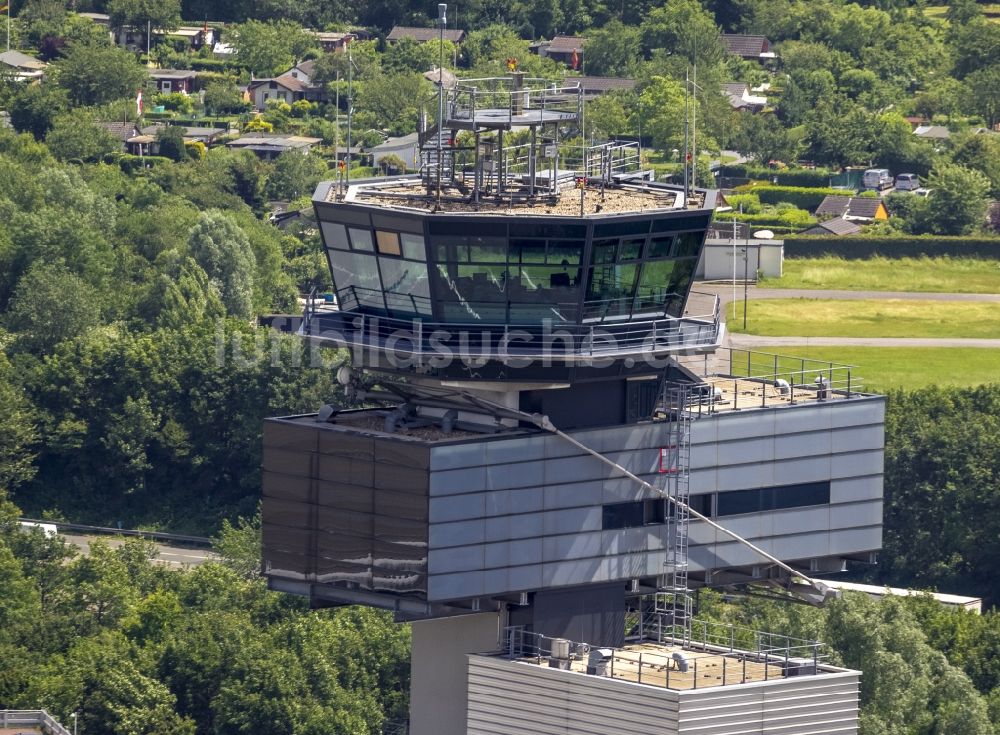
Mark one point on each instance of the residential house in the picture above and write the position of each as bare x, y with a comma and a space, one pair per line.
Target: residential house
564, 49
406, 148
422, 35
196, 36
932, 132
268, 146
447, 78
595, 86
333, 41
290, 86
173, 80
756, 48
741, 98
145, 143
857, 209
123, 131
21, 67
835, 226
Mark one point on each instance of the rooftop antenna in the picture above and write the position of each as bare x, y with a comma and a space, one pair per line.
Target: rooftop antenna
687, 152
694, 127
350, 114
442, 22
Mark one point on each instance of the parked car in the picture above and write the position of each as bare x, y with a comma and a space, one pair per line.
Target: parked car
877, 178
907, 182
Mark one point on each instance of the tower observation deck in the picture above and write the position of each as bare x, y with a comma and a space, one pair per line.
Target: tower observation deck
556, 444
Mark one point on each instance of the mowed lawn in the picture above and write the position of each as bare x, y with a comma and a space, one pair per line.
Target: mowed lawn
927, 275
882, 369
867, 318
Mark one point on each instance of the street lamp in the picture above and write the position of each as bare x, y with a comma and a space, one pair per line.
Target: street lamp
442, 22
73, 715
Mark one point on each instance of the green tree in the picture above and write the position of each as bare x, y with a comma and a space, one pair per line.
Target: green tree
957, 205
684, 28
982, 153
394, 100
76, 136
18, 433
163, 15
982, 93
97, 75
662, 107
221, 248
607, 116
37, 312
222, 97
762, 138
613, 50
35, 108
269, 48
294, 175
170, 139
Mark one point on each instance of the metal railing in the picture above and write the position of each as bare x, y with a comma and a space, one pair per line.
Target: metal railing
492, 340
502, 93
735, 655
15, 718
752, 379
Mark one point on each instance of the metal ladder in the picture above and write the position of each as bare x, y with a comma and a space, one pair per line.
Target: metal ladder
673, 600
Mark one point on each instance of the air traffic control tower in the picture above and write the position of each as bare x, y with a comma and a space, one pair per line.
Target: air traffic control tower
557, 450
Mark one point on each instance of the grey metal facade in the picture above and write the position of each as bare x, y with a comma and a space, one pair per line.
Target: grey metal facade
490, 516
513, 698
526, 513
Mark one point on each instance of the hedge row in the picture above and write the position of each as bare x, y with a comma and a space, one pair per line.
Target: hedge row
859, 248
789, 177
130, 164
803, 198
795, 219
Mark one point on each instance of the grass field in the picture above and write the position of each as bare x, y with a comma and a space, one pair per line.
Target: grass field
990, 10
868, 318
885, 368
928, 275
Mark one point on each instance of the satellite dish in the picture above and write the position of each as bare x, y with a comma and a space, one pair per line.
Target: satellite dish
764, 235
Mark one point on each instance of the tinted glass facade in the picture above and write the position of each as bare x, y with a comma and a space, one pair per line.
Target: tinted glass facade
505, 270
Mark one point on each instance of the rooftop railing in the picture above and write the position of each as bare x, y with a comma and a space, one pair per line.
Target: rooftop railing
485, 339
741, 379
732, 654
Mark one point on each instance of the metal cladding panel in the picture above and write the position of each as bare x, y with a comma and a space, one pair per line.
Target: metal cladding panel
482, 516
807, 705
341, 506
512, 698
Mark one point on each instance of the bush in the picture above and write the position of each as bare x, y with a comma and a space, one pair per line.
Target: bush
860, 248
789, 177
749, 202
804, 198
130, 164
209, 64
793, 219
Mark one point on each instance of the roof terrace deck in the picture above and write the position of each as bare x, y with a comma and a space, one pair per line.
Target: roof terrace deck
618, 198
708, 656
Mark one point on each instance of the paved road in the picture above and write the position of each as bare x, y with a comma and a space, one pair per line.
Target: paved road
174, 556
725, 292
753, 340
